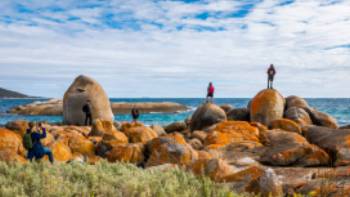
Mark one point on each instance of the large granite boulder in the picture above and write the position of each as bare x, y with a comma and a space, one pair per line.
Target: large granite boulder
171, 148
82, 90
322, 119
285, 148
298, 115
216, 169
138, 133
130, 153
335, 141
206, 115
229, 132
20, 126
286, 125
11, 141
295, 101
238, 114
61, 152
266, 106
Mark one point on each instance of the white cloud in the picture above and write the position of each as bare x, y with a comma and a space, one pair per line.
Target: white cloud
43, 58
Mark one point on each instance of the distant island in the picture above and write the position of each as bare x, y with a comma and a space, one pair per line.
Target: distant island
11, 94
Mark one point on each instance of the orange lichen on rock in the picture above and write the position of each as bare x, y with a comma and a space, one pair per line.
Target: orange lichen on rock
61, 152
100, 127
216, 169
131, 153
12, 141
170, 148
138, 133
266, 106
286, 125
231, 132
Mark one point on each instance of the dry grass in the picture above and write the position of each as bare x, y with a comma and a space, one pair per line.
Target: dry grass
103, 179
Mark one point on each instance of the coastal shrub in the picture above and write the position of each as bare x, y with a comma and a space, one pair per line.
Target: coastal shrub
103, 179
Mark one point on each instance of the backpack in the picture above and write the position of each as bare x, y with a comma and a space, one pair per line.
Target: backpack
27, 141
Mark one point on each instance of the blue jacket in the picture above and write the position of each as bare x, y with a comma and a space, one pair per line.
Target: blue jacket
38, 148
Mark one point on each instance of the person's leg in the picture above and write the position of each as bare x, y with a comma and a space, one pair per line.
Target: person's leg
30, 155
86, 119
90, 120
48, 152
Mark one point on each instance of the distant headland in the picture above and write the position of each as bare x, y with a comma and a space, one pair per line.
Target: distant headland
4, 93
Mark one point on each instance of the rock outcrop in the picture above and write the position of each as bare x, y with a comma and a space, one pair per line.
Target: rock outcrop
207, 115
285, 148
229, 132
55, 107
241, 114
84, 89
298, 115
286, 124
334, 141
266, 106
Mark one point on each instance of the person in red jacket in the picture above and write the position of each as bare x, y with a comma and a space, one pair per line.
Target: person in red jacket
210, 92
270, 76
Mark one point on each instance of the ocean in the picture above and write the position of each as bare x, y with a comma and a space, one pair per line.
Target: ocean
337, 107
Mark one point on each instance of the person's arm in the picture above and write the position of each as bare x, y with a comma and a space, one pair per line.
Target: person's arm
43, 135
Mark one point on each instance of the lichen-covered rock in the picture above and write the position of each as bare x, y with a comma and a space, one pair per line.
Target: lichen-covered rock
226, 107
322, 119
286, 125
100, 127
241, 114
80, 144
82, 90
196, 144
334, 141
201, 135
175, 127
130, 153
61, 152
285, 148
216, 169
20, 126
298, 115
158, 129
9, 156
266, 106
171, 148
11, 141
138, 133
228, 132
206, 115
295, 101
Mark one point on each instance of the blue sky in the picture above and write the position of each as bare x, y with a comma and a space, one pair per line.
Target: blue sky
158, 48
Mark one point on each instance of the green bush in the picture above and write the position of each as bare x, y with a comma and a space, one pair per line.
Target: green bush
103, 179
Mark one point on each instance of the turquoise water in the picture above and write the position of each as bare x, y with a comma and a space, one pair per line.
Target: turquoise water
338, 108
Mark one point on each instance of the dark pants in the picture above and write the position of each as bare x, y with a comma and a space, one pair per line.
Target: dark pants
88, 119
270, 82
210, 97
38, 155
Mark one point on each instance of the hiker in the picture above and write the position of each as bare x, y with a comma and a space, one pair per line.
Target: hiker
271, 74
32, 142
210, 92
87, 111
135, 114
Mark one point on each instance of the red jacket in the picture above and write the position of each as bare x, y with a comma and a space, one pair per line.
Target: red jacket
211, 89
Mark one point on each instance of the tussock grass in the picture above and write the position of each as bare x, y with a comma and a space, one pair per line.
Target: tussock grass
102, 179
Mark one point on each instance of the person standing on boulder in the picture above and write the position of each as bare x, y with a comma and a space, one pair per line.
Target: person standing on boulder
210, 92
87, 111
38, 150
271, 74
135, 114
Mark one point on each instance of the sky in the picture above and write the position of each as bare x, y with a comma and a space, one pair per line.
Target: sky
163, 48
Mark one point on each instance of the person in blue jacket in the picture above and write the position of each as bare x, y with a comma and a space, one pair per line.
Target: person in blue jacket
38, 151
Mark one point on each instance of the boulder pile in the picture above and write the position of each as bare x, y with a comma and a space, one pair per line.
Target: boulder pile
258, 149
